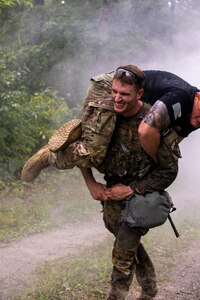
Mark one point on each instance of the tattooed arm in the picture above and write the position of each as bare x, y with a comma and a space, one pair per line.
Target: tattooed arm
149, 130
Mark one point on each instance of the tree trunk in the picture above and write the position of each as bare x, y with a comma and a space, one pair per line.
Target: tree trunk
38, 2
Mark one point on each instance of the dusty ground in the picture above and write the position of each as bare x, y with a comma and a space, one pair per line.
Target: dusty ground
183, 280
20, 258
185, 277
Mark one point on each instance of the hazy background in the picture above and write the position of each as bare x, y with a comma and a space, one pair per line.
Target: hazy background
48, 53
62, 44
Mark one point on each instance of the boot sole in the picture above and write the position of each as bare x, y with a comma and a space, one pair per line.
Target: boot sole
65, 135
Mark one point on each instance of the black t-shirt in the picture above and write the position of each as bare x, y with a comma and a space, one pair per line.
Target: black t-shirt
175, 93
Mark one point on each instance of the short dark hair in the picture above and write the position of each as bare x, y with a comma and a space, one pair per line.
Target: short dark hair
130, 74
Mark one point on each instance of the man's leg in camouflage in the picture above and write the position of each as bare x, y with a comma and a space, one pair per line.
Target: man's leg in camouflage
75, 154
124, 250
145, 274
98, 121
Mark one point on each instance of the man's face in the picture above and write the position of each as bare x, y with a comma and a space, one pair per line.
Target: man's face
126, 98
195, 115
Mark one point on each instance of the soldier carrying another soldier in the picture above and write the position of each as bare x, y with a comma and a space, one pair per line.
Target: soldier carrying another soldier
110, 125
132, 176
175, 104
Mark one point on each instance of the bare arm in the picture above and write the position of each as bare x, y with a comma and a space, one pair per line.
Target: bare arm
149, 139
97, 189
149, 130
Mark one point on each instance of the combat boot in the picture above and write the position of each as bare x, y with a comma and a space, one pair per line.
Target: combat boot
38, 162
112, 297
117, 294
65, 135
61, 138
144, 296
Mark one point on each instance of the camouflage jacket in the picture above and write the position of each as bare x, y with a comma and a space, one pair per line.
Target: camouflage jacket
98, 123
126, 162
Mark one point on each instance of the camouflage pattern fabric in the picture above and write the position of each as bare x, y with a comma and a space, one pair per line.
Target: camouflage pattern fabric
127, 163
125, 155
98, 121
165, 172
129, 255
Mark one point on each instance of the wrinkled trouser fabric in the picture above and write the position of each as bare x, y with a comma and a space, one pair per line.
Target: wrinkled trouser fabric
98, 122
128, 256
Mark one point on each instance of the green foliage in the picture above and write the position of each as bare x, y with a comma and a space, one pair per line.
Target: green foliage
26, 120
9, 3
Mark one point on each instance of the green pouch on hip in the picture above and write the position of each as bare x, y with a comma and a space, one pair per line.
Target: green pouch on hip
148, 211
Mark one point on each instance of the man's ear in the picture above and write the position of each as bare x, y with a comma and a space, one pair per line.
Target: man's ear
140, 93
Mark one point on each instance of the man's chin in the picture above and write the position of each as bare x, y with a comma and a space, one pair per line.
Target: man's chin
119, 109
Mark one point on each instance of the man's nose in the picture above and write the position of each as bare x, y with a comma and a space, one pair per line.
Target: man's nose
117, 98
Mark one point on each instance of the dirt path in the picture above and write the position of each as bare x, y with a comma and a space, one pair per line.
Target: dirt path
19, 260
184, 283
183, 279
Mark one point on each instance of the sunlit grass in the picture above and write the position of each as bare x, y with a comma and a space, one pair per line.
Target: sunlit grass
86, 276
53, 199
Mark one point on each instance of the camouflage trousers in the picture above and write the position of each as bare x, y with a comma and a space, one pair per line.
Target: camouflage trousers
74, 155
129, 256
98, 122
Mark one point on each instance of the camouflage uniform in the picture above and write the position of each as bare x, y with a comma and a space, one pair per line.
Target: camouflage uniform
127, 163
98, 121
129, 255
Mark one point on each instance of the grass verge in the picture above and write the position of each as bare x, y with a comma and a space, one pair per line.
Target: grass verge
53, 199
86, 276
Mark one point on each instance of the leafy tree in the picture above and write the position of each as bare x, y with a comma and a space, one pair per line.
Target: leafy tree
26, 120
9, 3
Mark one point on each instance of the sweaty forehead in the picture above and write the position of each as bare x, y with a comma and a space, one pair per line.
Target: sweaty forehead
117, 84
